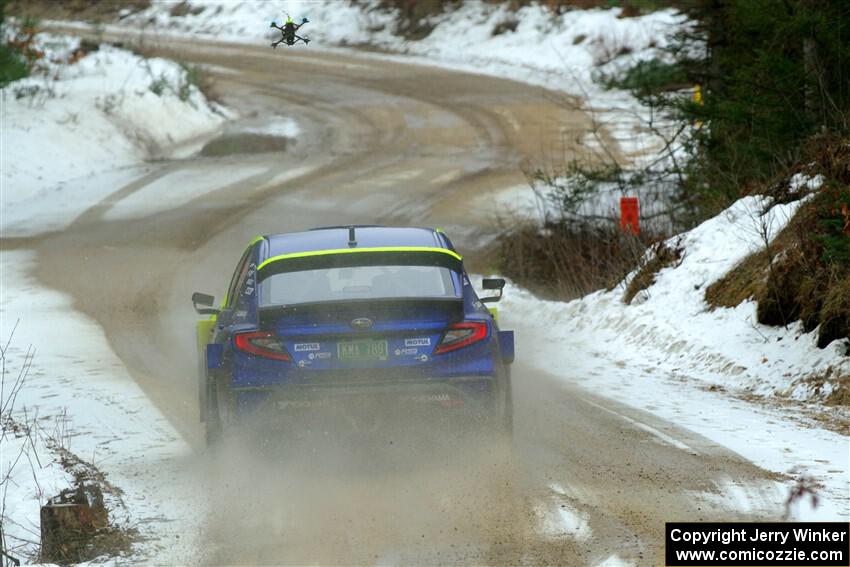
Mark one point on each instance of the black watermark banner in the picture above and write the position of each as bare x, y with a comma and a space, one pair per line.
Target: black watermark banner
757, 544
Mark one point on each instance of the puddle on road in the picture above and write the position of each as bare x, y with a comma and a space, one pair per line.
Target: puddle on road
254, 136
244, 143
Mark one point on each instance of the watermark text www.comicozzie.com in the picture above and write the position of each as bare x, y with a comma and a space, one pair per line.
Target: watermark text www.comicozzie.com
757, 544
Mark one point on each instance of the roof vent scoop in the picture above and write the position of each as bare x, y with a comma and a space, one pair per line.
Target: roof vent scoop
352, 241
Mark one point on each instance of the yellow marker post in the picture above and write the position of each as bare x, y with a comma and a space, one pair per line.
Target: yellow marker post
697, 98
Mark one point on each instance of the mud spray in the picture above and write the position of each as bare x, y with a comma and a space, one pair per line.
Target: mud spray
418, 492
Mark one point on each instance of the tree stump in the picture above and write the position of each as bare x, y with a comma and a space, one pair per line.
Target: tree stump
70, 521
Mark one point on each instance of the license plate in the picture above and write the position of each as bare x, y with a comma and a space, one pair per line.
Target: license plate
362, 350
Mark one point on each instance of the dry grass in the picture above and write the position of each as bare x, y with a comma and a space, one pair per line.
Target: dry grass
778, 291
745, 281
808, 280
835, 310
805, 284
660, 256
570, 260
840, 395
778, 302
800, 286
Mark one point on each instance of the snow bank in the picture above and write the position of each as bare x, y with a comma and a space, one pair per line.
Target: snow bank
669, 328
82, 395
97, 115
563, 51
669, 354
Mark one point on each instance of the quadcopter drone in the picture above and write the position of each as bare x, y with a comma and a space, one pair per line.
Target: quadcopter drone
287, 32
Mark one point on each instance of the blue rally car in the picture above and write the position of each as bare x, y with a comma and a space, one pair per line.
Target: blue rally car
353, 316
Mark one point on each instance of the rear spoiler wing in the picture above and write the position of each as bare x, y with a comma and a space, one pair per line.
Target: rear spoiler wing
353, 257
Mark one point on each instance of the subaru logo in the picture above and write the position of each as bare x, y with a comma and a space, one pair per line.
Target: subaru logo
361, 323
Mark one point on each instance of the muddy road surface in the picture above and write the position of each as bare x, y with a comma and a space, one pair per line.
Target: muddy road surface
382, 142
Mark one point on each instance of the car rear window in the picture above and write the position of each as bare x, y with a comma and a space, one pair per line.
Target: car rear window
360, 282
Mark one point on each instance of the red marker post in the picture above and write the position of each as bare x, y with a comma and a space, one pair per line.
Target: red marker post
630, 215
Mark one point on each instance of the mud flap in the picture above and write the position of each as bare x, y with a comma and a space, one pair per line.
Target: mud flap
204, 333
506, 346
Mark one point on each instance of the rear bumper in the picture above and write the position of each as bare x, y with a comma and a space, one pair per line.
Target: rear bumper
257, 372
473, 394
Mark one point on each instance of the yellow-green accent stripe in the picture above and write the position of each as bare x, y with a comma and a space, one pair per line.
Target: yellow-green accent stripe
255, 240
358, 250
205, 327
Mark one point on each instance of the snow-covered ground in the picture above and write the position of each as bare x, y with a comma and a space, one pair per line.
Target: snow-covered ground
79, 394
64, 128
669, 354
71, 136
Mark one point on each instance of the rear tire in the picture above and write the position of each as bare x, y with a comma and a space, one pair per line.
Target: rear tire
212, 423
219, 410
497, 426
501, 429
505, 411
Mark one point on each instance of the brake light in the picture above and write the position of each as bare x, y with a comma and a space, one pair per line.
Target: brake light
261, 343
460, 335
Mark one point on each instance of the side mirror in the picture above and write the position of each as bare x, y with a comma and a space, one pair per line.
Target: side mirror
203, 304
304, 21
497, 284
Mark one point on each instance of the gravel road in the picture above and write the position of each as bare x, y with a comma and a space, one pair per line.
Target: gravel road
382, 142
